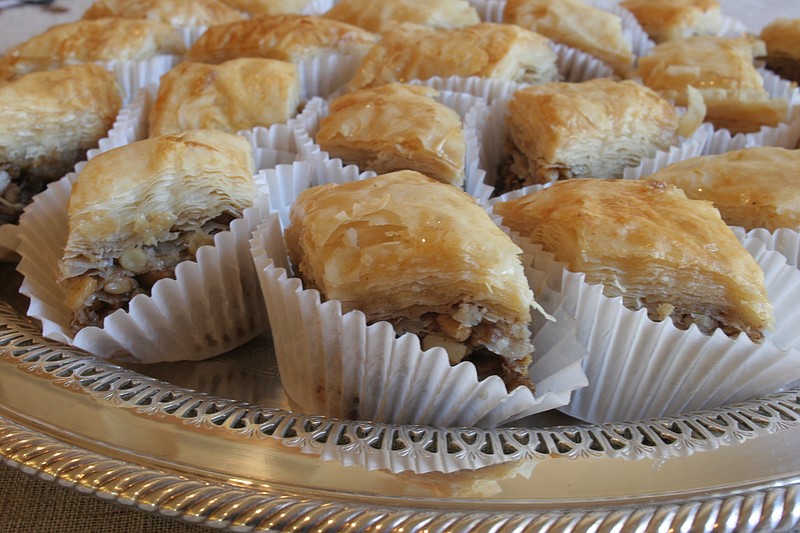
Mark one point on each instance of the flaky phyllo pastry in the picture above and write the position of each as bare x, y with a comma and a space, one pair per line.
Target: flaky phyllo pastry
381, 15
235, 95
722, 70
488, 50
592, 129
782, 39
285, 37
137, 211
664, 20
172, 12
577, 24
754, 188
107, 39
422, 255
395, 127
650, 245
48, 120
268, 7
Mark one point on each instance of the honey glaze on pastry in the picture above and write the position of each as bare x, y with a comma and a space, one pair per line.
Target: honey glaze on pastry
137, 211
48, 120
487, 50
172, 12
232, 96
592, 129
576, 24
380, 15
782, 39
653, 247
107, 39
422, 255
396, 127
753, 188
268, 7
722, 70
285, 37
665, 20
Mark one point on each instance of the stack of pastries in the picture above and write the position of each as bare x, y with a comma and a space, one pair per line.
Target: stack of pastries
396, 288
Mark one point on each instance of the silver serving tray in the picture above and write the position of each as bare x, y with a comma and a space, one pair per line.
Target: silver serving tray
217, 443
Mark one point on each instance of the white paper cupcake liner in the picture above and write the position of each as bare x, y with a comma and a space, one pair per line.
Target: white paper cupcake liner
318, 7
135, 75
212, 305
468, 107
638, 368
785, 135
131, 123
326, 74
272, 146
785, 241
493, 144
337, 365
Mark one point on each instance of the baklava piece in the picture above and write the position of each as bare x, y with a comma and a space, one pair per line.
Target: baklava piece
256, 8
235, 95
285, 37
396, 127
48, 120
137, 211
651, 246
423, 255
381, 15
782, 39
722, 70
665, 20
172, 12
488, 50
107, 39
592, 129
578, 25
753, 188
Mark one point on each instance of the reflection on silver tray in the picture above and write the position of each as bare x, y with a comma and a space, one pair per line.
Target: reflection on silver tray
166, 439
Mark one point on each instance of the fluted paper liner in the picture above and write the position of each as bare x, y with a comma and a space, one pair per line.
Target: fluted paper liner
638, 368
785, 241
335, 364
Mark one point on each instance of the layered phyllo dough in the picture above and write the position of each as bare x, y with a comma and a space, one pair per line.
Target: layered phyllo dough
235, 95
722, 70
592, 129
650, 245
753, 188
172, 12
256, 8
48, 120
106, 39
577, 24
423, 255
488, 50
137, 211
665, 20
285, 37
782, 39
396, 127
381, 15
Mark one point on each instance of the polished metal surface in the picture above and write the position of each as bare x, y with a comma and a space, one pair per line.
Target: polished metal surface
217, 442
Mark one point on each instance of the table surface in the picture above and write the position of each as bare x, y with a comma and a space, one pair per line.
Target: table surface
43, 506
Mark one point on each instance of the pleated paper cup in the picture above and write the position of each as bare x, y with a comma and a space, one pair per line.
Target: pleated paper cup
212, 305
785, 134
337, 364
785, 241
469, 108
638, 368
135, 75
326, 75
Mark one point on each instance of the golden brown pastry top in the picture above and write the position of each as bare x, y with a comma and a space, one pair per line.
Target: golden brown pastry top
395, 127
576, 24
172, 12
487, 50
94, 40
402, 240
664, 20
753, 188
285, 37
782, 37
140, 193
646, 235
381, 15
268, 7
232, 96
